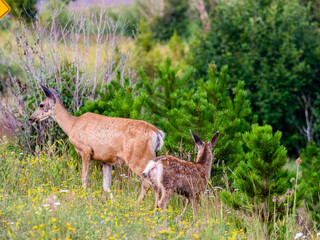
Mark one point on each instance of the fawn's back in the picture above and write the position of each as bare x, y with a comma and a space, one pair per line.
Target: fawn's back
183, 177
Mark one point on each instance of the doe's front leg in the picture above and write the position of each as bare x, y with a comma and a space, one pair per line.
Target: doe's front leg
85, 168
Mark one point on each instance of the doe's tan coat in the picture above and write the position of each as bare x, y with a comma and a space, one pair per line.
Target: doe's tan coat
106, 139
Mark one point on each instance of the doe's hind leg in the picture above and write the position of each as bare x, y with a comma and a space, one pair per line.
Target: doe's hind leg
107, 171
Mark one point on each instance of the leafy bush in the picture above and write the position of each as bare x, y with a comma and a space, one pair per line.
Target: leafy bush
174, 17
274, 47
261, 177
26, 9
116, 101
170, 104
311, 175
127, 15
55, 11
5, 23
49, 54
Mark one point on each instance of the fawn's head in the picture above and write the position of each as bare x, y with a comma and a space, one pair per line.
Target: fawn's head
205, 148
46, 107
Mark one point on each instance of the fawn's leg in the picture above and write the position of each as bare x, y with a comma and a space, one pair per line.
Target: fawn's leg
185, 208
157, 195
144, 189
194, 202
165, 198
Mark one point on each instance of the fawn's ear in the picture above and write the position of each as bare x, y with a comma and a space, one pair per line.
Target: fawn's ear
48, 93
214, 139
196, 139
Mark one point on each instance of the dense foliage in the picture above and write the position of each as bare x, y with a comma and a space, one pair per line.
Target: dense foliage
274, 47
261, 178
169, 103
174, 17
26, 9
200, 65
311, 175
116, 101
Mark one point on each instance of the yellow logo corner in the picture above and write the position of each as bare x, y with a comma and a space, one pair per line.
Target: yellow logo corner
4, 8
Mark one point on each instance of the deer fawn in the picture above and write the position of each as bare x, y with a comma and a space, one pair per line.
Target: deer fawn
169, 174
107, 139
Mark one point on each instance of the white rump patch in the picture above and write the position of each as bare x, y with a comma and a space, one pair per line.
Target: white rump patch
149, 166
153, 171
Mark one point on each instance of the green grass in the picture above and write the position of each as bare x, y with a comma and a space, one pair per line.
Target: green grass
41, 197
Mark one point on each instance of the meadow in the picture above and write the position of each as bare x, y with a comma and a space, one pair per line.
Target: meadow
41, 197
168, 70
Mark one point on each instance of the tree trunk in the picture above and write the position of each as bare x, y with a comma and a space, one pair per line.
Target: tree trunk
203, 14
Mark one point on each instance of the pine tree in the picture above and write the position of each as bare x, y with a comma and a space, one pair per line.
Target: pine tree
116, 101
260, 176
231, 112
166, 104
177, 104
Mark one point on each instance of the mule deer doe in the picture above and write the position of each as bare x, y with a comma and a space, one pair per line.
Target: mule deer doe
169, 174
107, 139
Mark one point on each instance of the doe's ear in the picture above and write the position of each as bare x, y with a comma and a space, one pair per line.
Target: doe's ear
196, 139
48, 93
55, 93
214, 139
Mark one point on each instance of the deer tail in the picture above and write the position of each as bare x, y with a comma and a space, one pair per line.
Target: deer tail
159, 137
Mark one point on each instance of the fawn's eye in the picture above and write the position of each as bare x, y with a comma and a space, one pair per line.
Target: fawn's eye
41, 105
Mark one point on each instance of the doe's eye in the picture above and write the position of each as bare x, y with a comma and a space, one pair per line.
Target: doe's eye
41, 105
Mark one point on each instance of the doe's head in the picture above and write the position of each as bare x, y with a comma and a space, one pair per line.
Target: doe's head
46, 107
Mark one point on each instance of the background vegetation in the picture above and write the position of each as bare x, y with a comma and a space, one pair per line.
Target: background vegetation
249, 69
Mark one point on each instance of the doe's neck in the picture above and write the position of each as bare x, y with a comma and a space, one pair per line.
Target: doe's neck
64, 119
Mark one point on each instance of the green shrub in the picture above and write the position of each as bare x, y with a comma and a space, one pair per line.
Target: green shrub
116, 101
57, 11
175, 106
262, 182
311, 175
5, 23
41, 134
127, 15
175, 17
274, 47
26, 9
170, 103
